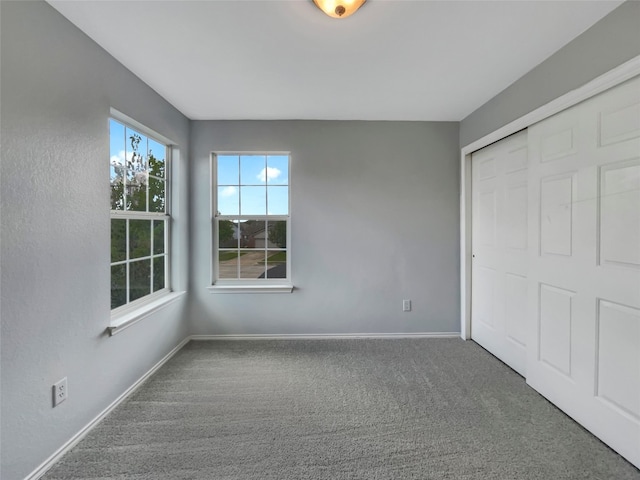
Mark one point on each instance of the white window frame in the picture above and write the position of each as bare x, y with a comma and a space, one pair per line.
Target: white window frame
129, 313
247, 285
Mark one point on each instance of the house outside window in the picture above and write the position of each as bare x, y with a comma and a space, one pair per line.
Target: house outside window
251, 220
139, 181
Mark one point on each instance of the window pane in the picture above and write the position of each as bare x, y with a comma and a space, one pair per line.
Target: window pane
137, 191
228, 173
139, 238
137, 174
117, 164
117, 194
118, 240
158, 273
253, 201
278, 169
118, 285
139, 279
228, 264
157, 187
252, 264
278, 200
136, 150
228, 200
252, 169
276, 264
158, 237
252, 234
116, 142
136, 145
157, 158
227, 234
277, 234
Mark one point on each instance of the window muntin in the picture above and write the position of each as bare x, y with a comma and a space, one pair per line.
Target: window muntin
251, 220
139, 217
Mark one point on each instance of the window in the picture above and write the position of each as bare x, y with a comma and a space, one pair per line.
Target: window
139, 218
251, 219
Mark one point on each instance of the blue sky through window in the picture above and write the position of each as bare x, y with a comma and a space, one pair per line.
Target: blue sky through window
253, 184
277, 170
117, 148
252, 168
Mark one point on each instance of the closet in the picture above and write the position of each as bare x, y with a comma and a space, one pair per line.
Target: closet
556, 260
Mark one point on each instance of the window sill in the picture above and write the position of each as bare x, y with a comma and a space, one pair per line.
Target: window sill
123, 321
273, 288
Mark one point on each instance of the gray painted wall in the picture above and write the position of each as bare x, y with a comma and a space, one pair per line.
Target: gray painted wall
374, 220
56, 88
612, 41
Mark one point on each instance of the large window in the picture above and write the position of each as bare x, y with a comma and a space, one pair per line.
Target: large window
251, 218
139, 216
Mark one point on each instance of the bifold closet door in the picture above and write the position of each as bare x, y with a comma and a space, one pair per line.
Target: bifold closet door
583, 327
499, 247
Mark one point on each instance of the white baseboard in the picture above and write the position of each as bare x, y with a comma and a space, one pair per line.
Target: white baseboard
49, 462
324, 336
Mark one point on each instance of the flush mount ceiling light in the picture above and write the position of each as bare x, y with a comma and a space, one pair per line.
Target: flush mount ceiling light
339, 8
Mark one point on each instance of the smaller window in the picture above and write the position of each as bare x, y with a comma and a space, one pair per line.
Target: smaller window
251, 221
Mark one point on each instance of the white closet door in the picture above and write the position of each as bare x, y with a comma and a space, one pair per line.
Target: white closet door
499, 269
583, 327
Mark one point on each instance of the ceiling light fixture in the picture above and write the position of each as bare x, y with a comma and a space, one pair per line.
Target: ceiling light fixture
339, 8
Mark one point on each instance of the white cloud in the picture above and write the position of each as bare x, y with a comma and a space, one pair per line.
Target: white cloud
269, 173
228, 191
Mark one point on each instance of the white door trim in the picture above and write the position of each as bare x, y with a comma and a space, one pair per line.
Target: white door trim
598, 85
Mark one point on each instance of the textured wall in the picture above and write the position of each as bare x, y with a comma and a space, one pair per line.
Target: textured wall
612, 41
57, 87
374, 220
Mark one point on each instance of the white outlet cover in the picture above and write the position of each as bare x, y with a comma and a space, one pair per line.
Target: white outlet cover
60, 392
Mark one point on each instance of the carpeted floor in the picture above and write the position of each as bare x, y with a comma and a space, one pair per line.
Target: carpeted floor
338, 409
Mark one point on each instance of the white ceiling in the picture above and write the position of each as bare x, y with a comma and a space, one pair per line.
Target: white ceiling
274, 59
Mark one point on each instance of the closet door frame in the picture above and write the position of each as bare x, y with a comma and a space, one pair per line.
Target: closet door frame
598, 85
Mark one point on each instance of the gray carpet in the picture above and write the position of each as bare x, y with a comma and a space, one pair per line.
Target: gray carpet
338, 409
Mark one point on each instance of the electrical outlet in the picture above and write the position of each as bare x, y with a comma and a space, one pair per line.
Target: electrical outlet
60, 392
406, 305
